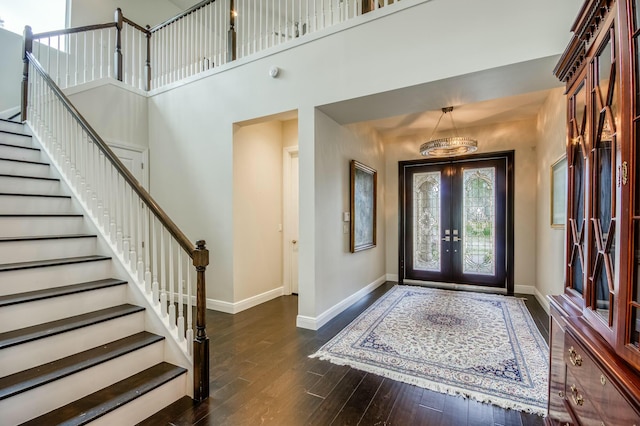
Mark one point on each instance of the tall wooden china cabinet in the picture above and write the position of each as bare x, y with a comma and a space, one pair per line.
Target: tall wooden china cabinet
595, 323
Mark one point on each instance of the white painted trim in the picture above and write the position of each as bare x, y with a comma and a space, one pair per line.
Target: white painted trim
9, 112
312, 323
72, 90
234, 308
287, 154
542, 300
392, 277
524, 289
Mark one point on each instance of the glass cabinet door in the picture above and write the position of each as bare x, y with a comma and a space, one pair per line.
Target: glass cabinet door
576, 224
604, 186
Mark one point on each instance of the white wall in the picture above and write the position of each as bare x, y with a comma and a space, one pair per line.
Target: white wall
118, 113
142, 12
550, 259
191, 125
257, 209
11, 70
516, 135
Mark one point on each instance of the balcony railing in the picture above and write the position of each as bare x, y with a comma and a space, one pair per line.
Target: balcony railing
209, 34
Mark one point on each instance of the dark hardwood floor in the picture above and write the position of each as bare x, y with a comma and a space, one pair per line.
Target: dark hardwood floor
261, 374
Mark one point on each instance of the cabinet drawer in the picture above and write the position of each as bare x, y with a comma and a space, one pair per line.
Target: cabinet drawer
581, 403
596, 387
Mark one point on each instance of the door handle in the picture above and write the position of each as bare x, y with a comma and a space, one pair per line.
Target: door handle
294, 241
447, 238
456, 239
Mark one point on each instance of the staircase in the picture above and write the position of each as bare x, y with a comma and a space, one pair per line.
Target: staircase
73, 347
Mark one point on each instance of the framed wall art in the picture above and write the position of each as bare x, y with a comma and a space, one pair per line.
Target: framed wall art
559, 193
363, 200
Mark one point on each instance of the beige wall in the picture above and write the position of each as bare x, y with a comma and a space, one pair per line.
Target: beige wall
257, 209
550, 259
290, 133
11, 69
142, 12
343, 273
519, 136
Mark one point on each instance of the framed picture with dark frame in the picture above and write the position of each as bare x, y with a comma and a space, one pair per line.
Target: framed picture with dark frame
363, 200
559, 193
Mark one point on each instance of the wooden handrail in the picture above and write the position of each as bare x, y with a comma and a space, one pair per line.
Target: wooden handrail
136, 26
181, 15
74, 30
115, 161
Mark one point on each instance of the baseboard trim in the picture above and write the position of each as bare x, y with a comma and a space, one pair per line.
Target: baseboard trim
392, 277
314, 323
242, 305
524, 289
542, 300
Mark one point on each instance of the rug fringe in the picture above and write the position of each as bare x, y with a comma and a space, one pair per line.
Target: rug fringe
434, 386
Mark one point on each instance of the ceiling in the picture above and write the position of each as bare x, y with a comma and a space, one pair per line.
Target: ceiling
509, 93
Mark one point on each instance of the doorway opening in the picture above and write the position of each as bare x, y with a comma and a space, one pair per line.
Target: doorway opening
456, 221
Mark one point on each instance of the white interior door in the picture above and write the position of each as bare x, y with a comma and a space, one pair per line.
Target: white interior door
290, 243
294, 223
134, 161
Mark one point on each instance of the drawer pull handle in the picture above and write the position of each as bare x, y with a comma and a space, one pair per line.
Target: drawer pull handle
603, 380
574, 357
577, 398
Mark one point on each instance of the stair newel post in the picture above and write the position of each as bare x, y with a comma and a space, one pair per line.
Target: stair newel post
147, 66
117, 62
27, 46
201, 341
231, 34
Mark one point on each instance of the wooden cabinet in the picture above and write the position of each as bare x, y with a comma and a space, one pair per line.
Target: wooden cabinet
595, 324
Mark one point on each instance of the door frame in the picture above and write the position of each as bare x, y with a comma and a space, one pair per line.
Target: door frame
510, 181
288, 153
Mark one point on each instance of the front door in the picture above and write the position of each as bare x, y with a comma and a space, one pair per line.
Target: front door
454, 220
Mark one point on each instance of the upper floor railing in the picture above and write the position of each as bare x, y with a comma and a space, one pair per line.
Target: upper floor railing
207, 35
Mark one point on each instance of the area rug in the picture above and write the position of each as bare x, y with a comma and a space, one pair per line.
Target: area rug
481, 346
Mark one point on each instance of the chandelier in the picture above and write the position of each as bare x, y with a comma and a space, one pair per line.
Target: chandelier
448, 147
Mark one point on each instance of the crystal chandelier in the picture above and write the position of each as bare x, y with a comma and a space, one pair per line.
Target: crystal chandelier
448, 147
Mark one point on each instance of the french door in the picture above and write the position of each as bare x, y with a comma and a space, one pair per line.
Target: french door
456, 221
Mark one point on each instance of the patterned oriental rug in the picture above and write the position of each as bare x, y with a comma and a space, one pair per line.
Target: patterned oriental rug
480, 346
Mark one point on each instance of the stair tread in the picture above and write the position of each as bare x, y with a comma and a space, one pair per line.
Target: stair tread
170, 413
32, 296
45, 237
39, 163
28, 177
28, 379
29, 334
99, 403
16, 194
51, 262
18, 146
15, 133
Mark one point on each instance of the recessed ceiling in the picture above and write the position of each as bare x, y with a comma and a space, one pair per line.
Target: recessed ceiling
512, 108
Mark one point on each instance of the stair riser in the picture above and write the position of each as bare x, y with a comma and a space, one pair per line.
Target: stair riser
24, 251
21, 407
13, 139
14, 127
14, 153
23, 315
33, 205
24, 169
28, 355
52, 276
29, 186
151, 402
32, 226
